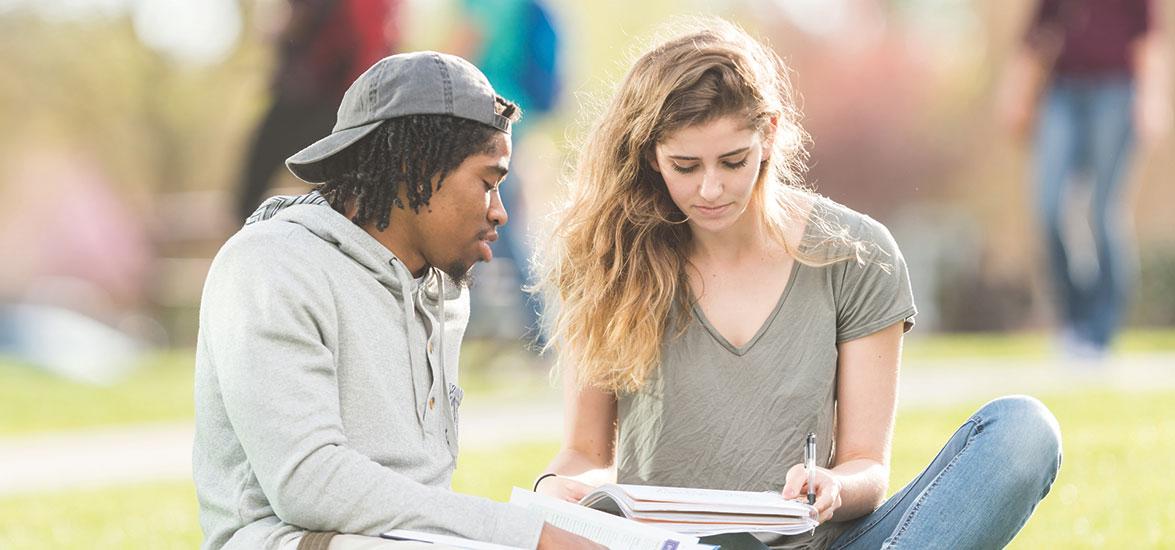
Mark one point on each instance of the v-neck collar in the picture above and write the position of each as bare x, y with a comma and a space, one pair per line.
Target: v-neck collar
742, 350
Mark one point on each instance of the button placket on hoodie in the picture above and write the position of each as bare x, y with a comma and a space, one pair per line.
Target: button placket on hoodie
434, 404
443, 391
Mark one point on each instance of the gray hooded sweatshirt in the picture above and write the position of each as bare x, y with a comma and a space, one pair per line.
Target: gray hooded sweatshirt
326, 391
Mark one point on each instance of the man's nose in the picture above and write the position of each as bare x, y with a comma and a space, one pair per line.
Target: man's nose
497, 213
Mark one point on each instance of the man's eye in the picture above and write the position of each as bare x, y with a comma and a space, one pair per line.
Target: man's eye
684, 169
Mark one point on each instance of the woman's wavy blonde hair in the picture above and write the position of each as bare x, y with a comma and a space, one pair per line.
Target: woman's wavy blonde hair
614, 271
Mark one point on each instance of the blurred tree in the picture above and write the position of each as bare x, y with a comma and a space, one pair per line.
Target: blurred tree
158, 129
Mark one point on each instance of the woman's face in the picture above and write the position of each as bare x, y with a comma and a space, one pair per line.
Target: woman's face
710, 170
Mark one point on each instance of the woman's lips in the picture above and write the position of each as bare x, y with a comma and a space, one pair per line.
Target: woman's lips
711, 211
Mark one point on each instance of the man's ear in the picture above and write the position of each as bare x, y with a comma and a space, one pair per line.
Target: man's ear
651, 157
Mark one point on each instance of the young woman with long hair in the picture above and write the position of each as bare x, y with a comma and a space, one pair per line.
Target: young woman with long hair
710, 311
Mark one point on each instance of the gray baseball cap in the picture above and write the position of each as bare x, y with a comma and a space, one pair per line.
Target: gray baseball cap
417, 83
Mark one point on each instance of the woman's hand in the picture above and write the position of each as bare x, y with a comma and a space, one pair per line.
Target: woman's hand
563, 488
827, 487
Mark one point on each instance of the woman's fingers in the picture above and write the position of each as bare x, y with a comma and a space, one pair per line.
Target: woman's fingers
576, 490
827, 496
797, 481
826, 487
563, 488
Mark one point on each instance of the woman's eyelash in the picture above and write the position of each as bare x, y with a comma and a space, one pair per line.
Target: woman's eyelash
730, 165
736, 165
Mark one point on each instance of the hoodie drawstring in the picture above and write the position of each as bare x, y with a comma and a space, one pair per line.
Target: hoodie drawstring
418, 370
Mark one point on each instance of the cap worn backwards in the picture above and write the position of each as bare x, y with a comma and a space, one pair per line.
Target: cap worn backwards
417, 83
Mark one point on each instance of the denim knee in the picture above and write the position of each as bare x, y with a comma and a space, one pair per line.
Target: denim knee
1030, 437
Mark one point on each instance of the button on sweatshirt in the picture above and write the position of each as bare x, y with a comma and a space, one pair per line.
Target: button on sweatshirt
316, 365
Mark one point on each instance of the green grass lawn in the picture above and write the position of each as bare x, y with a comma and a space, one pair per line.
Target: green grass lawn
1023, 345
1114, 489
159, 390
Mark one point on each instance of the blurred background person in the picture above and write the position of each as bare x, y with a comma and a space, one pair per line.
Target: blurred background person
516, 43
1090, 78
322, 47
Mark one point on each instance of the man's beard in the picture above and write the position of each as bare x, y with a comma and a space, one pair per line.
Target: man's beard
459, 273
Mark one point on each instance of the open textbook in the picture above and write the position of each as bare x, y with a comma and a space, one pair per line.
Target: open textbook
704, 512
614, 532
659, 518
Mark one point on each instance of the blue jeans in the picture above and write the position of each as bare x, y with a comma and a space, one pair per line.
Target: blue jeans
980, 489
1084, 137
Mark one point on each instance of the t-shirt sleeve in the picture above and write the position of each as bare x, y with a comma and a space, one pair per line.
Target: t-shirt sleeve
872, 291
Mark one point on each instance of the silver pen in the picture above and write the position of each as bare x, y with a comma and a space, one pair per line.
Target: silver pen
810, 465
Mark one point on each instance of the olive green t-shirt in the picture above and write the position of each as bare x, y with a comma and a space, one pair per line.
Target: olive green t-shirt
724, 417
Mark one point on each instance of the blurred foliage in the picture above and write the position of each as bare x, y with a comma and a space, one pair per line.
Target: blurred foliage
89, 85
1107, 494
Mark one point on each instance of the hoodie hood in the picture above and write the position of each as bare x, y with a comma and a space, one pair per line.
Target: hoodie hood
312, 212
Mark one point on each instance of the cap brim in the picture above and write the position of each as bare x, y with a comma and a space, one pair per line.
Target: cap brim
307, 163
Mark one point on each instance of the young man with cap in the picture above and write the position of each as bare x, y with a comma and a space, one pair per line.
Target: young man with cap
326, 365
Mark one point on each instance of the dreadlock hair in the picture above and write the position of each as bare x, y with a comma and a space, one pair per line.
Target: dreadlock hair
407, 154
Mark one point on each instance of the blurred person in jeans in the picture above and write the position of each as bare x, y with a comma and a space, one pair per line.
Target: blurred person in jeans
323, 46
1092, 76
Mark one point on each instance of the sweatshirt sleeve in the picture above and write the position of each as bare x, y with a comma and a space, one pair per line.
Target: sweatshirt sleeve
268, 318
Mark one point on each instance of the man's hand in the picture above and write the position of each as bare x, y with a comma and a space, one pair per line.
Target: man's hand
554, 538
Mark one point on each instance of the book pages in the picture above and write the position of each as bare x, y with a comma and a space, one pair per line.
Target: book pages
704, 512
612, 531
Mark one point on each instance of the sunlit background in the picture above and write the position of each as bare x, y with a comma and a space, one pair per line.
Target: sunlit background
124, 125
